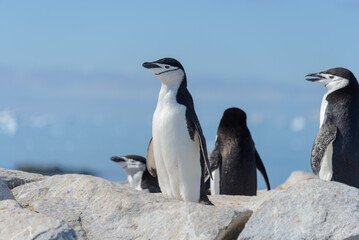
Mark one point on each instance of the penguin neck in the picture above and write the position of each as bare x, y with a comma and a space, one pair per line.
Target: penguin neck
183, 87
170, 89
336, 88
135, 179
337, 85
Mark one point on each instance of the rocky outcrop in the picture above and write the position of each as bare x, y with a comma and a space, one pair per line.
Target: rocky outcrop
246, 202
312, 209
17, 223
14, 178
5, 192
296, 177
77, 206
99, 209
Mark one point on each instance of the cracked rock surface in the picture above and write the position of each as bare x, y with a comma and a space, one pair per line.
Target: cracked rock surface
18, 223
5, 192
14, 178
74, 206
312, 209
98, 209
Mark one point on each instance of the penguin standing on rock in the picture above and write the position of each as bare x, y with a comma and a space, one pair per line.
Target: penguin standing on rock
137, 174
335, 152
177, 152
234, 158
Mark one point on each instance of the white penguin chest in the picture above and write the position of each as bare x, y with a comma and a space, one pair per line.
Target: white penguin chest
326, 166
176, 154
215, 182
135, 180
170, 132
169, 121
323, 109
169, 118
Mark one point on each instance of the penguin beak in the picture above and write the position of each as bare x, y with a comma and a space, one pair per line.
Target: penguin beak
313, 77
117, 159
150, 65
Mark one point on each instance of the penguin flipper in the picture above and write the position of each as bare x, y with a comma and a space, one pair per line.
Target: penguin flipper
150, 162
192, 117
149, 182
326, 135
262, 170
215, 157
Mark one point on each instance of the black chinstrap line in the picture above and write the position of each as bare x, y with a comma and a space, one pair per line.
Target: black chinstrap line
166, 71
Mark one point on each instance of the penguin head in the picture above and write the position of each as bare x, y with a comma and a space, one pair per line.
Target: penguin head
168, 70
334, 78
131, 163
233, 117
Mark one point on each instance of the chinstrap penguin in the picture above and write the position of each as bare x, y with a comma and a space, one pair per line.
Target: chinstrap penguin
234, 158
335, 152
177, 152
137, 174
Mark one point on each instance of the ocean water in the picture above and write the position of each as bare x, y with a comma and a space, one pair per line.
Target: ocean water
81, 146
79, 120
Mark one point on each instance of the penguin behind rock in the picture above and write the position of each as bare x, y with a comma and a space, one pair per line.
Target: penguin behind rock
137, 174
335, 152
178, 147
234, 158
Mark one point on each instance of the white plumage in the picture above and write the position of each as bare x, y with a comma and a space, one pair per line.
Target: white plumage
326, 168
134, 170
215, 182
177, 156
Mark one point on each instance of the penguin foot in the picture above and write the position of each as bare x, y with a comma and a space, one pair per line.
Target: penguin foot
206, 201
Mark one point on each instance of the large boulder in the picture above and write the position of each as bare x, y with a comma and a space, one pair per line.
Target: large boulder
312, 209
17, 223
296, 177
85, 207
247, 202
99, 209
14, 178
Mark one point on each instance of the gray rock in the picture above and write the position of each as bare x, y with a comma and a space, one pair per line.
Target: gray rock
5, 192
247, 202
296, 177
312, 209
14, 178
17, 223
99, 209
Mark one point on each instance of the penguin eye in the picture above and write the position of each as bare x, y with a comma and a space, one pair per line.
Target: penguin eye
331, 77
167, 66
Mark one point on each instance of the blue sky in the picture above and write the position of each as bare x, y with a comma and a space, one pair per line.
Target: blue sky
73, 92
